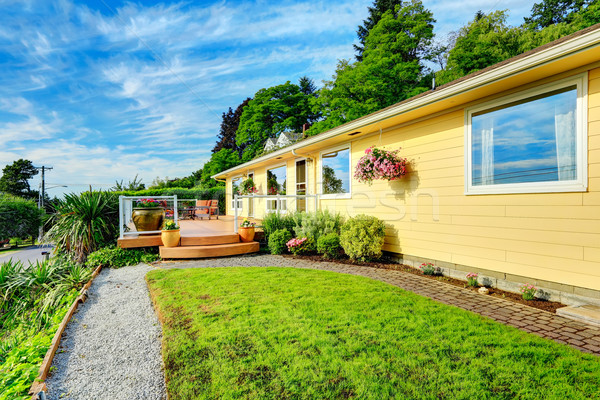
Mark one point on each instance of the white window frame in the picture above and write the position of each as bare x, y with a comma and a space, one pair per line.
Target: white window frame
577, 185
240, 202
272, 199
347, 146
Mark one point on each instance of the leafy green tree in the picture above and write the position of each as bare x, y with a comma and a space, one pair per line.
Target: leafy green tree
219, 161
15, 179
272, 111
485, 41
551, 12
391, 71
375, 13
229, 126
19, 218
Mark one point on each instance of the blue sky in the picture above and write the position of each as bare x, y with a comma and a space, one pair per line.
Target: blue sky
103, 90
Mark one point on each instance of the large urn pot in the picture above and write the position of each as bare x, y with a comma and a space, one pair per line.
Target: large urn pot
148, 218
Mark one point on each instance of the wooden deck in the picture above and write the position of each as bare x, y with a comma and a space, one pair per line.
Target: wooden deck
199, 239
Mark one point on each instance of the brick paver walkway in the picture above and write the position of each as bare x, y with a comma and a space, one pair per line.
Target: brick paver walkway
541, 323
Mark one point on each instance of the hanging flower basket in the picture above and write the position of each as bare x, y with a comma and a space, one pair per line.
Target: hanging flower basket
380, 164
248, 187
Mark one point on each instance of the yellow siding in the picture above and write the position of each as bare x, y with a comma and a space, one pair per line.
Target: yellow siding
547, 236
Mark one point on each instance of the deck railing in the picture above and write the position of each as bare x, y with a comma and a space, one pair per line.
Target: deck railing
278, 201
126, 210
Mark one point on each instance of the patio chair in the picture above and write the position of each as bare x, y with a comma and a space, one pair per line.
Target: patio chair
214, 208
202, 208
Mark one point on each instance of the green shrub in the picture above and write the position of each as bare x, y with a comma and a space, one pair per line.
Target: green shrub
314, 225
84, 222
33, 301
278, 240
273, 222
116, 257
19, 218
329, 245
362, 237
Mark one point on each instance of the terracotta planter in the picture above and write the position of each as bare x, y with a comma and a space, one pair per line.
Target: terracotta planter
246, 234
148, 218
170, 238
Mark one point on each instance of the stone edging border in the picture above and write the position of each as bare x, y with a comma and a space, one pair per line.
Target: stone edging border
39, 384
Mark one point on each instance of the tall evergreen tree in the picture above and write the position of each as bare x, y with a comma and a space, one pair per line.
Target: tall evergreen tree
229, 126
375, 13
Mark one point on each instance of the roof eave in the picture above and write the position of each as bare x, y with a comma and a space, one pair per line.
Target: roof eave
536, 59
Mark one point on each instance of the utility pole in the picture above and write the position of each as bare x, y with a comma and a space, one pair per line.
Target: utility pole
43, 194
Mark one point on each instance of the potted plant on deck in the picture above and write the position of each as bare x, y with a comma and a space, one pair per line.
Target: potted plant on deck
148, 215
246, 230
170, 235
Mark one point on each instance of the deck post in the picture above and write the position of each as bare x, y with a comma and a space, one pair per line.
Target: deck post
235, 213
121, 217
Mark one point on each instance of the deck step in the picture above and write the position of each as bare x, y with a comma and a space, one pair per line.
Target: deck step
210, 240
217, 250
140, 241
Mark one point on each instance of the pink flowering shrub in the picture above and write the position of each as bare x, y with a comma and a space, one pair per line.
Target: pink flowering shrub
298, 245
380, 164
528, 291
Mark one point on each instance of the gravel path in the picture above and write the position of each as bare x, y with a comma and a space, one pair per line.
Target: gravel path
111, 348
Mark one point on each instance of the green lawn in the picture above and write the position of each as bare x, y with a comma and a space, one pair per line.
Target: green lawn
284, 333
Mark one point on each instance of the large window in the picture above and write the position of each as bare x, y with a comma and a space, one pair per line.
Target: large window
335, 172
277, 184
529, 143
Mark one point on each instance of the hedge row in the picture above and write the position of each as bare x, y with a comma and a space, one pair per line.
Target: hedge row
217, 193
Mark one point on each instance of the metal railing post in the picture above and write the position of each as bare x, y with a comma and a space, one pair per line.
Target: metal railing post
176, 209
121, 222
278, 204
235, 213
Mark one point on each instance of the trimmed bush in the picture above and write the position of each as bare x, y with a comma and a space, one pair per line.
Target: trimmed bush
116, 257
278, 240
273, 222
329, 245
314, 225
362, 237
19, 218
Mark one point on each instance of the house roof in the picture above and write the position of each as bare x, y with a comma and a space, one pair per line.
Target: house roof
568, 53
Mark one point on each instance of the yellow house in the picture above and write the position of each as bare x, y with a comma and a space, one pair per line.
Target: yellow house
504, 172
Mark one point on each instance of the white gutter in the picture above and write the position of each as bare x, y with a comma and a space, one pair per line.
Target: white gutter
536, 59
